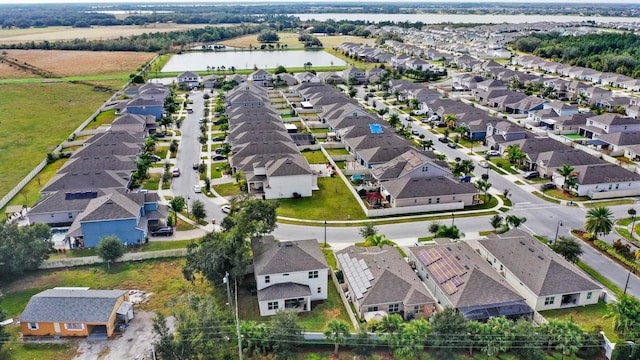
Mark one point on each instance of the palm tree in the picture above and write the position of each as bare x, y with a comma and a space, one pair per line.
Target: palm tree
414, 103
394, 120
483, 186
496, 222
450, 120
624, 313
337, 332
514, 154
426, 144
566, 170
467, 166
515, 221
378, 240
632, 213
451, 232
599, 220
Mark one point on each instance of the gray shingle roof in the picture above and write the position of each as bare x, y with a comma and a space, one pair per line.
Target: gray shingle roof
291, 165
270, 257
71, 306
87, 180
604, 173
409, 188
536, 265
283, 290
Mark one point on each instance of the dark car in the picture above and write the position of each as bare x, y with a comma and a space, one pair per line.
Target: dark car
159, 134
219, 158
443, 140
531, 175
218, 138
195, 166
154, 158
452, 145
547, 186
163, 231
465, 178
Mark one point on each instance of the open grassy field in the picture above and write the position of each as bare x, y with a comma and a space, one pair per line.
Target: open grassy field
79, 63
56, 33
291, 40
35, 119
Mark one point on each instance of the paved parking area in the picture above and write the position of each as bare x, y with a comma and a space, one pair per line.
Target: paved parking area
135, 343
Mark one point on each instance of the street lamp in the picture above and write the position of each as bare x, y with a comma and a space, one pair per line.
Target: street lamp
325, 233
557, 229
188, 198
453, 218
626, 285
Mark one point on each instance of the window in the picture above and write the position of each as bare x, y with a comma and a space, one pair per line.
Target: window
425, 168
267, 279
74, 326
372, 308
33, 326
589, 295
393, 308
273, 305
313, 274
70, 215
429, 201
285, 274
549, 300
437, 200
418, 309
319, 290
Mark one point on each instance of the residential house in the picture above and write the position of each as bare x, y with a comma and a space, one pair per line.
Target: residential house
501, 132
210, 82
436, 190
70, 312
411, 164
603, 181
459, 278
608, 123
142, 106
544, 278
548, 163
305, 77
381, 282
331, 78
354, 76
188, 80
261, 78
616, 143
289, 274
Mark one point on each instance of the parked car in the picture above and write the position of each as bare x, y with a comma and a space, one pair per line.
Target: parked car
483, 164
219, 158
440, 124
226, 208
218, 138
452, 145
159, 135
547, 186
493, 153
197, 189
216, 114
154, 158
465, 178
163, 231
175, 172
531, 175
443, 140
189, 110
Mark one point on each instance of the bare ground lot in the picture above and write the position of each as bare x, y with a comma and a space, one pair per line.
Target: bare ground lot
76, 63
56, 33
11, 72
291, 40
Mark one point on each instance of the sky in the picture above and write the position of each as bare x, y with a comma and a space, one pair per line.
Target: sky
306, 1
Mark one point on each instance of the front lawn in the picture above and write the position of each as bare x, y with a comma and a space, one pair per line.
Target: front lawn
333, 201
564, 195
152, 182
228, 189
608, 203
504, 165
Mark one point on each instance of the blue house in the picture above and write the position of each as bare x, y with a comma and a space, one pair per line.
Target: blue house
142, 106
129, 216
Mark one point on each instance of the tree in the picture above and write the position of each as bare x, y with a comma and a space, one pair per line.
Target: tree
198, 210
514, 154
4, 336
23, 248
514, 221
337, 332
599, 221
394, 120
368, 230
447, 328
527, 341
177, 204
255, 338
362, 344
280, 69
378, 240
495, 336
626, 316
426, 144
257, 217
566, 170
268, 36
353, 92
216, 254
451, 232
632, 213
569, 248
496, 222
110, 249
286, 333
483, 186
567, 335
450, 120
412, 339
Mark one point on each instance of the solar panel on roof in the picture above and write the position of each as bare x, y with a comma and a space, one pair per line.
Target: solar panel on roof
449, 288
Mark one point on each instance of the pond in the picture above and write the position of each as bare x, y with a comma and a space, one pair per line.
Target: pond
198, 61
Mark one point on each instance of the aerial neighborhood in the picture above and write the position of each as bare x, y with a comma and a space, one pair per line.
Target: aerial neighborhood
254, 211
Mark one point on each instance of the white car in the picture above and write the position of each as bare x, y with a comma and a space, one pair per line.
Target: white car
493, 153
197, 189
484, 164
226, 209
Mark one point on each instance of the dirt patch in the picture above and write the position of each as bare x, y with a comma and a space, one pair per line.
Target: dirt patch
76, 63
11, 72
291, 40
332, 314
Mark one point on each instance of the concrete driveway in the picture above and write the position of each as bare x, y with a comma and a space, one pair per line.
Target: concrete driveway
135, 343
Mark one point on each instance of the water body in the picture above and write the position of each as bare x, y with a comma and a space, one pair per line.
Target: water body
463, 18
198, 61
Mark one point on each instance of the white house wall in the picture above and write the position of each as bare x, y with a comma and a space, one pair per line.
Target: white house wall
609, 190
284, 186
300, 277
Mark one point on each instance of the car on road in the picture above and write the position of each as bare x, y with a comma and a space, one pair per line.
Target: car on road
452, 145
189, 111
197, 189
443, 140
195, 165
483, 164
531, 175
493, 153
226, 209
219, 158
163, 231
175, 172
415, 132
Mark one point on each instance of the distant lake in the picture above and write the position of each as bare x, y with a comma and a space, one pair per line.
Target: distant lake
462, 18
198, 61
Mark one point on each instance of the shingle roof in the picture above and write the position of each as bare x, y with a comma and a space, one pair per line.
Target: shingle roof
604, 173
282, 290
536, 265
270, 257
405, 163
111, 206
71, 306
393, 279
409, 188
292, 165
621, 138
87, 180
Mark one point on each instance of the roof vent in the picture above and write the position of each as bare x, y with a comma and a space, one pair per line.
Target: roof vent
521, 242
288, 244
531, 249
540, 257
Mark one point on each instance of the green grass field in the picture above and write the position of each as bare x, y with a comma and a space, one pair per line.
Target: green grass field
314, 157
37, 118
333, 201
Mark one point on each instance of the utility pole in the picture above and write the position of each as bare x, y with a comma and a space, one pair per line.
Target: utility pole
238, 323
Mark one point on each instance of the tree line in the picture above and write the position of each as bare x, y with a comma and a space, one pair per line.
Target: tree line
606, 52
